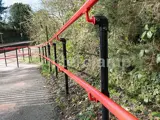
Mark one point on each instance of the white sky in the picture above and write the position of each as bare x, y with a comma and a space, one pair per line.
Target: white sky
35, 4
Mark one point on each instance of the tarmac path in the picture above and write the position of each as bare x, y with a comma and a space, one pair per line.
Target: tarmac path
23, 93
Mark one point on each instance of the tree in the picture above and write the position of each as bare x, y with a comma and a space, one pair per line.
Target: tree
2, 9
19, 13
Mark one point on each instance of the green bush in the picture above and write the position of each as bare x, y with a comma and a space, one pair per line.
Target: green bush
134, 51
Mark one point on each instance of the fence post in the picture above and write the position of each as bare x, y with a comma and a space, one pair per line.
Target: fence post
17, 58
47, 37
55, 58
39, 54
23, 52
5, 56
103, 33
43, 54
49, 55
29, 55
45, 49
30, 51
65, 63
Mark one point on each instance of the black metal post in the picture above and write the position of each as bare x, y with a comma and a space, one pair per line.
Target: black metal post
5, 57
17, 58
47, 37
23, 52
29, 55
43, 54
55, 58
45, 49
49, 55
103, 31
65, 63
40, 54
30, 51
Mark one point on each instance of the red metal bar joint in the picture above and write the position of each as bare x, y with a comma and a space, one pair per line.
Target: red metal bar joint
93, 93
96, 95
92, 98
90, 20
60, 70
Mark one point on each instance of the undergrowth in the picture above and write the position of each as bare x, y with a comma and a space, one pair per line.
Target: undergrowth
76, 105
134, 51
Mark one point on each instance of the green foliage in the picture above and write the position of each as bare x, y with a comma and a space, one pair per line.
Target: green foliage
2, 9
156, 114
45, 70
19, 13
87, 115
133, 47
149, 32
158, 58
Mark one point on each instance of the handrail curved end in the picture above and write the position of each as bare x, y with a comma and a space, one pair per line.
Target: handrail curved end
90, 20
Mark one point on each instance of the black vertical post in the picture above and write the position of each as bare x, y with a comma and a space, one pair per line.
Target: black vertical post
39, 54
5, 57
65, 63
103, 31
47, 37
23, 52
45, 49
43, 54
17, 58
55, 58
29, 54
30, 51
49, 55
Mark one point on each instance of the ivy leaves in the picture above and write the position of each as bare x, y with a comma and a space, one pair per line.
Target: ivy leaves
142, 53
158, 58
156, 115
149, 32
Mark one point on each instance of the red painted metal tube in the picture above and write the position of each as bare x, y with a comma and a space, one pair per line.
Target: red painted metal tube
113, 107
13, 48
8, 48
18, 54
83, 10
10, 55
14, 56
7, 58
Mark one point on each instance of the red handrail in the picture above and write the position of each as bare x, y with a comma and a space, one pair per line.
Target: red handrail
96, 95
83, 10
12, 56
13, 48
93, 93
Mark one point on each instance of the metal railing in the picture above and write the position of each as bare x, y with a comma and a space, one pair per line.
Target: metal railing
44, 49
